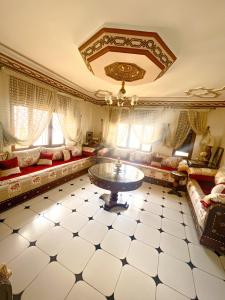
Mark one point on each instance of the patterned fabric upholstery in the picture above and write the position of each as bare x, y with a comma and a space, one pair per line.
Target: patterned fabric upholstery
27, 157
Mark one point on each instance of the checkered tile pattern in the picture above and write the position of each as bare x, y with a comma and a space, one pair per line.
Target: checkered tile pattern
64, 245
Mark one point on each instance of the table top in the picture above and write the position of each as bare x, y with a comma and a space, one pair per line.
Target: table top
178, 174
107, 171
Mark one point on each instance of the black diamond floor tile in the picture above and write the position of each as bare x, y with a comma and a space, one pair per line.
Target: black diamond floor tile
75, 234
124, 261
53, 258
79, 277
157, 280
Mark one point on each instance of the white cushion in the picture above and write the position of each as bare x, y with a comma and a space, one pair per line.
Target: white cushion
141, 156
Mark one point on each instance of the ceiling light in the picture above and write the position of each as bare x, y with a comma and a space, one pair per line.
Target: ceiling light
120, 99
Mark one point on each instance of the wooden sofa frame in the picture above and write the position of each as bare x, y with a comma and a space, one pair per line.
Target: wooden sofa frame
213, 234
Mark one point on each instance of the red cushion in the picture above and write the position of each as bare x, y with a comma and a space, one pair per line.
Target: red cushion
45, 155
202, 177
9, 163
35, 168
206, 186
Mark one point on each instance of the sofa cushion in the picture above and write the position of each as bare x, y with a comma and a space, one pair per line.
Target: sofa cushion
220, 176
202, 174
66, 155
9, 167
75, 150
218, 189
141, 156
121, 153
27, 157
4, 155
171, 162
45, 159
36, 168
57, 152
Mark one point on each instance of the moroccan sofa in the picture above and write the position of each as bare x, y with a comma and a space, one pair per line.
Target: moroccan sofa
156, 167
205, 190
34, 179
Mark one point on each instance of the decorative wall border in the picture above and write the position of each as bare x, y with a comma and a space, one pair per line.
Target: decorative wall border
26, 70
15, 65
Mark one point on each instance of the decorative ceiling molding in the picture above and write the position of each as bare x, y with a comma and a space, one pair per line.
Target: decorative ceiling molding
123, 71
203, 92
150, 48
98, 97
28, 71
173, 103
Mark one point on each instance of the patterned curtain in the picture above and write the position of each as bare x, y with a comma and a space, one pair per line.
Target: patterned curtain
198, 121
181, 132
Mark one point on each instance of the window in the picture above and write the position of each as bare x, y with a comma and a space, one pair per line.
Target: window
185, 150
22, 121
133, 136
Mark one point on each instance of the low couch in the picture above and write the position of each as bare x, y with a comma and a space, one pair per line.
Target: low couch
205, 190
156, 167
34, 179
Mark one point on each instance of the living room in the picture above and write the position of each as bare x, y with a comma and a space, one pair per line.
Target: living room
112, 137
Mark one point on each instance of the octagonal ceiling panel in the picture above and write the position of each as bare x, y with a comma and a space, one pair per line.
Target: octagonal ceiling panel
111, 45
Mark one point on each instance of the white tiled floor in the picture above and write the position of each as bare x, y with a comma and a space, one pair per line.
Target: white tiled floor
66, 246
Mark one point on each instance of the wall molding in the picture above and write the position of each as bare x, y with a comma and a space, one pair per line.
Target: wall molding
33, 70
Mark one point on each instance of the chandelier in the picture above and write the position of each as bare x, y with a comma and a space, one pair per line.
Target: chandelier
120, 99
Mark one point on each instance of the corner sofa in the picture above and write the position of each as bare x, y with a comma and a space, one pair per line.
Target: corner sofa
207, 203
35, 179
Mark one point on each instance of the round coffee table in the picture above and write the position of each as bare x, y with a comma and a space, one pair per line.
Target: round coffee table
109, 177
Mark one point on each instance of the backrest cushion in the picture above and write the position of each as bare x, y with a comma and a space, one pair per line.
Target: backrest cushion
220, 176
141, 156
75, 150
218, 189
9, 167
27, 157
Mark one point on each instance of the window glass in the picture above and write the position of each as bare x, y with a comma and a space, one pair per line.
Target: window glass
135, 136
20, 121
122, 135
43, 139
57, 134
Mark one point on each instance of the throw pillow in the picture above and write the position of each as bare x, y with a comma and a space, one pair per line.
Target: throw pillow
75, 150
45, 159
220, 176
218, 189
4, 155
9, 167
66, 155
56, 151
121, 153
171, 162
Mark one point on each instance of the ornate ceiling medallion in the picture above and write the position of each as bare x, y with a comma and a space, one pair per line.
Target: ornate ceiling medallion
203, 92
112, 45
123, 71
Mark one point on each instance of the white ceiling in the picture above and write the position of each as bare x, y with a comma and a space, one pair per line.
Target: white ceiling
50, 32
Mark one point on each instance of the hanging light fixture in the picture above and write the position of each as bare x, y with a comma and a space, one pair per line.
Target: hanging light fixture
120, 99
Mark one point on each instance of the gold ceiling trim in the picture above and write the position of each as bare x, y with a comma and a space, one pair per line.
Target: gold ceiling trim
123, 71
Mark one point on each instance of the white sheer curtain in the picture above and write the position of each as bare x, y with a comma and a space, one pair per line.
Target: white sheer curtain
70, 118
31, 110
114, 119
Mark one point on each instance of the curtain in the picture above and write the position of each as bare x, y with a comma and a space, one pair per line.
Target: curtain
31, 110
6, 138
70, 119
114, 118
176, 139
198, 121
147, 126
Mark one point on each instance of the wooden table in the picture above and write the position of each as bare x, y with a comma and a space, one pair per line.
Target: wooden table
176, 184
109, 177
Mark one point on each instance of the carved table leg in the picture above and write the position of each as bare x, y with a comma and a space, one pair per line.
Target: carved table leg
111, 200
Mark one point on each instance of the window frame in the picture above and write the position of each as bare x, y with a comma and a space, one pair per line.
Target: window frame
49, 145
191, 147
128, 137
